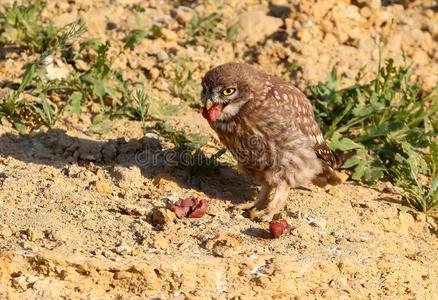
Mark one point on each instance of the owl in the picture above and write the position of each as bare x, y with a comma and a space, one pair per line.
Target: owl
269, 127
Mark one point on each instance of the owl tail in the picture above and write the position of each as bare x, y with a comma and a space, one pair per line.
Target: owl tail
328, 176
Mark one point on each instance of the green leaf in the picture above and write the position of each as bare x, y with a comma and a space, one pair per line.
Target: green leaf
47, 109
159, 110
101, 128
75, 100
338, 142
21, 128
359, 171
100, 124
28, 76
352, 161
134, 38
99, 88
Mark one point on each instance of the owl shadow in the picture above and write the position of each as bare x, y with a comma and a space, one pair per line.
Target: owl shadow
58, 149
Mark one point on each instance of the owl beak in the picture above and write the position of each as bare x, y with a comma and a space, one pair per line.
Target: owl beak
208, 103
211, 111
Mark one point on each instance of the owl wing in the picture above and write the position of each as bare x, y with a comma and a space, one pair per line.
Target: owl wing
300, 111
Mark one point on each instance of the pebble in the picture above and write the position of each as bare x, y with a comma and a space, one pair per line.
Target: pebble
102, 187
5, 231
162, 56
169, 34
161, 216
314, 221
184, 14
123, 249
34, 234
154, 73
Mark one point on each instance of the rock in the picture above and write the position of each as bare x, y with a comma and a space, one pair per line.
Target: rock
223, 245
162, 56
288, 23
314, 221
20, 282
5, 231
169, 34
256, 25
55, 69
161, 216
365, 12
34, 234
102, 187
123, 249
184, 14
154, 73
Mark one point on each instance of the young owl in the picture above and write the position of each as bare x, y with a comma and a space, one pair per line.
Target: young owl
269, 127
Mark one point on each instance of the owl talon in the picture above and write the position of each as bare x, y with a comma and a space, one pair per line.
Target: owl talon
260, 215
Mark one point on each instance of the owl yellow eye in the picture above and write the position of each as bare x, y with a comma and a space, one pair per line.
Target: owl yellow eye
228, 91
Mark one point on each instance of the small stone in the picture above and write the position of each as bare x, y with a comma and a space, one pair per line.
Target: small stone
34, 234
223, 245
53, 236
162, 56
103, 188
317, 222
5, 231
20, 282
184, 14
81, 65
123, 250
365, 12
154, 73
161, 216
169, 34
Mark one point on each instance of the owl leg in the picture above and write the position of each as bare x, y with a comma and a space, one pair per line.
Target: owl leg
260, 202
274, 206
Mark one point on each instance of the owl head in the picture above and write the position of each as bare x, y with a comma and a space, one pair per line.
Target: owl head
226, 89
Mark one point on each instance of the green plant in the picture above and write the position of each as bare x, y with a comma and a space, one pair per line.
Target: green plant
35, 73
207, 27
417, 194
184, 85
290, 67
22, 25
135, 36
387, 127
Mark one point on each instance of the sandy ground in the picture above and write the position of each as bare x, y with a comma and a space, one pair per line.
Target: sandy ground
83, 216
